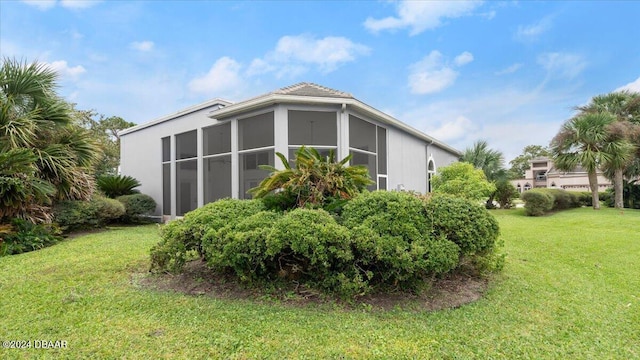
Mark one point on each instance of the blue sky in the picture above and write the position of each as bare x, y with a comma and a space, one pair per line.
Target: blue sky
506, 72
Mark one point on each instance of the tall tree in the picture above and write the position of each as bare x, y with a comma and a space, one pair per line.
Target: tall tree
625, 107
36, 125
520, 163
106, 131
585, 141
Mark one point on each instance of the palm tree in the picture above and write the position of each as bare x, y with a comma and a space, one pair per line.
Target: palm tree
490, 161
315, 180
585, 141
33, 118
625, 107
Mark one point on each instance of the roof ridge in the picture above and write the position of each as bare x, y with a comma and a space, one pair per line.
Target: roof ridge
287, 90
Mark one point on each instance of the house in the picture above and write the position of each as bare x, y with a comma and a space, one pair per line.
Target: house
542, 174
213, 150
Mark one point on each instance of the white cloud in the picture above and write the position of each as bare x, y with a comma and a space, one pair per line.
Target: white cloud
531, 32
66, 71
78, 4
223, 77
69, 4
432, 74
421, 15
41, 4
633, 86
509, 70
294, 54
463, 59
563, 64
452, 130
142, 45
508, 118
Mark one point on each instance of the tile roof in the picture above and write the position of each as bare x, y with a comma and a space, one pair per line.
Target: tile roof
311, 89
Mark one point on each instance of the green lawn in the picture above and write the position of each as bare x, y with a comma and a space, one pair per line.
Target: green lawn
570, 289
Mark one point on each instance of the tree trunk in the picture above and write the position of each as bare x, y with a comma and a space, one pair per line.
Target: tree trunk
618, 189
593, 184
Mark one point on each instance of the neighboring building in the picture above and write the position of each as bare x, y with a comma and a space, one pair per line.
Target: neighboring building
213, 150
542, 174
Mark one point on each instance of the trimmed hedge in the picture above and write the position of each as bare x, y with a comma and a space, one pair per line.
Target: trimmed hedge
242, 246
81, 215
383, 241
540, 201
452, 217
136, 205
181, 237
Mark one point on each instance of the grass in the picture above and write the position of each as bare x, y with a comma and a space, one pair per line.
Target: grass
570, 289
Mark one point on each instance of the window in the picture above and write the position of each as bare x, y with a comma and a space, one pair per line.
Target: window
431, 171
250, 173
368, 146
362, 135
166, 189
255, 140
186, 186
256, 131
217, 139
312, 128
186, 145
217, 178
186, 172
166, 175
216, 142
166, 149
367, 160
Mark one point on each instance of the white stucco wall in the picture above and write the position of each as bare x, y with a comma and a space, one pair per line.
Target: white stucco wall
408, 158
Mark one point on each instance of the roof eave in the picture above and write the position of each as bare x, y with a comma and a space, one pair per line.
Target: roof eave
272, 99
179, 113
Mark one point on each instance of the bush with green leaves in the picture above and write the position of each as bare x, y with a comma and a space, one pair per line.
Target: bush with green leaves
537, 202
563, 199
309, 245
393, 241
383, 241
79, 215
23, 236
463, 180
242, 246
505, 194
113, 186
467, 224
136, 205
181, 237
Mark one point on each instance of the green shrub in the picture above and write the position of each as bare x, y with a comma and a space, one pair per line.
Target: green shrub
78, 215
171, 253
242, 247
392, 240
537, 202
117, 185
136, 205
465, 223
23, 236
505, 194
396, 213
585, 198
563, 199
191, 230
311, 246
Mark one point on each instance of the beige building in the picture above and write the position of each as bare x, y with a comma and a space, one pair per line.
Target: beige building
542, 174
